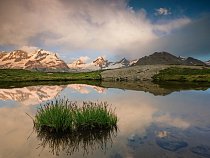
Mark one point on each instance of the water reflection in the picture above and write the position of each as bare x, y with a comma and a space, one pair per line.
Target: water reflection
37, 94
81, 141
47, 91
31, 95
150, 125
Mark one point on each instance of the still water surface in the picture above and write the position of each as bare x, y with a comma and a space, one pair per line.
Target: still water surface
174, 125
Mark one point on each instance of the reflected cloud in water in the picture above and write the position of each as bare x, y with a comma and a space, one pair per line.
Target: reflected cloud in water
145, 122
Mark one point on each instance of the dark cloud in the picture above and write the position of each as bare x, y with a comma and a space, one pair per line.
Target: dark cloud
191, 40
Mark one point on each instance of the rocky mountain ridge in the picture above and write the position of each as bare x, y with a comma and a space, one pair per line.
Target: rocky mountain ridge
43, 60
98, 64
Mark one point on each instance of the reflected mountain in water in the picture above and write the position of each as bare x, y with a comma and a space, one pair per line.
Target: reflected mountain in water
32, 95
79, 141
86, 89
37, 94
145, 86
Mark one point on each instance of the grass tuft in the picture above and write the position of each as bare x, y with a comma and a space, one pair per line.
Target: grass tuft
62, 116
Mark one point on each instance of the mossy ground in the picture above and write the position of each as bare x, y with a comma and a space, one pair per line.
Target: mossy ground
19, 75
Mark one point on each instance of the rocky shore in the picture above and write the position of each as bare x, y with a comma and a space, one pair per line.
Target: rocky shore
134, 73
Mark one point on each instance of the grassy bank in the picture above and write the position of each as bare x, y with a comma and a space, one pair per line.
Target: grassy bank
63, 116
17, 75
183, 74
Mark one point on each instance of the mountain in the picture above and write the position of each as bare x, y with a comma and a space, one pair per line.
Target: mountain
36, 60
165, 58
80, 65
192, 61
98, 64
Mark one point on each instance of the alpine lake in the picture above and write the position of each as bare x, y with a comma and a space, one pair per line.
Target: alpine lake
155, 121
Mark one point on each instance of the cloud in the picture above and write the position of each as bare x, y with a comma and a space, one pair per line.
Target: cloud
169, 26
84, 59
190, 40
162, 11
28, 48
107, 26
175, 122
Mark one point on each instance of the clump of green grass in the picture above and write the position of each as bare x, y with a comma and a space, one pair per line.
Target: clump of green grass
63, 115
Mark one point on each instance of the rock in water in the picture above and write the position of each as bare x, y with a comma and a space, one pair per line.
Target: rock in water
171, 145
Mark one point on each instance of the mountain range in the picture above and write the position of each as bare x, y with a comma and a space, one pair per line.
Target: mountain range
43, 60
99, 63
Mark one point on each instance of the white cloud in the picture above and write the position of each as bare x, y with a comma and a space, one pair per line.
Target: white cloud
28, 48
99, 26
169, 120
169, 26
162, 11
84, 59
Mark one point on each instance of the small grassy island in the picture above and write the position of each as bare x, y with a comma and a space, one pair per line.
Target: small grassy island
63, 116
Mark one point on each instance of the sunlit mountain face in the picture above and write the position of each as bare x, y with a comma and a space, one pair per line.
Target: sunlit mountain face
110, 29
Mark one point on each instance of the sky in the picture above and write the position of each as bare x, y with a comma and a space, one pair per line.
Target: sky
110, 28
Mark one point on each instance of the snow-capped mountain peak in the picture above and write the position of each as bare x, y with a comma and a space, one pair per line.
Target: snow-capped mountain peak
37, 59
100, 61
